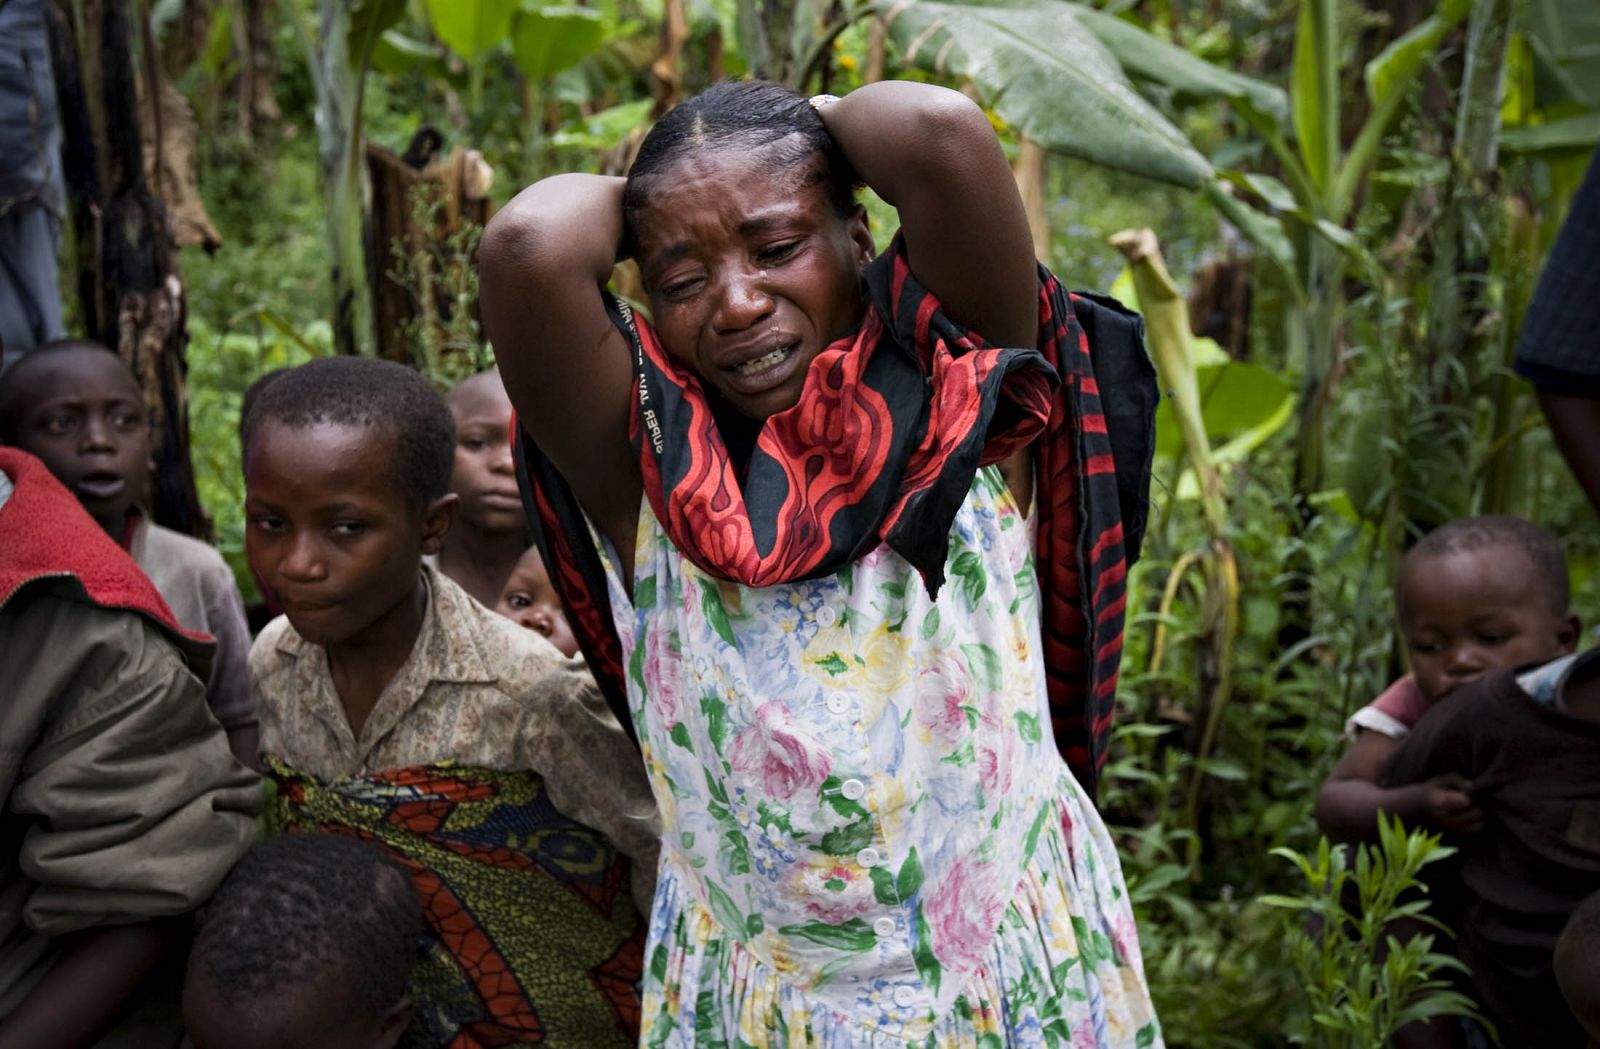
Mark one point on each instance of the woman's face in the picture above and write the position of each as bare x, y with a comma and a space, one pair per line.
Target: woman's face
750, 272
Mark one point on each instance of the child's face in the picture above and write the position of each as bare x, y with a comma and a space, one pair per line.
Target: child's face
750, 272
308, 1014
84, 416
484, 476
530, 600
1469, 613
328, 530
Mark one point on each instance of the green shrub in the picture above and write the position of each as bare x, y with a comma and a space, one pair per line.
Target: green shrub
1360, 983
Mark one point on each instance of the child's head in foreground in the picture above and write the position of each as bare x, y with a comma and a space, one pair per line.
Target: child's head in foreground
484, 476
77, 406
1481, 594
347, 471
530, 600
741, 212
1577, 966
307, 943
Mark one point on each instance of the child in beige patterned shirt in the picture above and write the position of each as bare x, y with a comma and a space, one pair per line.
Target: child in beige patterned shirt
385, 685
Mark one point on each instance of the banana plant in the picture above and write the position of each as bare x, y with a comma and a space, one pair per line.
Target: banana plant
342, 45
1064, 75
1311, 245
339, 49
544, 40
1167, 332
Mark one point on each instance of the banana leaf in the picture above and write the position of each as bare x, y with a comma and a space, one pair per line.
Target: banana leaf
1041, 70
1146, 57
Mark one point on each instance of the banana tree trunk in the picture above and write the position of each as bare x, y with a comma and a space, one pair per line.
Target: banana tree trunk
1457, 352
1505, 474
338, 82
1315, 336
130, 291
1032, 171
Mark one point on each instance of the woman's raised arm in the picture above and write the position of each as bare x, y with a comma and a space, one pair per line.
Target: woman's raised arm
931, 153
542, 263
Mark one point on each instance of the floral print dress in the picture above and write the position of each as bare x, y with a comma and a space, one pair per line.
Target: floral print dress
870, 840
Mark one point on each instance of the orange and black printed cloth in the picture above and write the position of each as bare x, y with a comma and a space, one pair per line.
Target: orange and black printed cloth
891, 426
533, 937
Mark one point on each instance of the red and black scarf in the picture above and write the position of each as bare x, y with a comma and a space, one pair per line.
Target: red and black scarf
882, 446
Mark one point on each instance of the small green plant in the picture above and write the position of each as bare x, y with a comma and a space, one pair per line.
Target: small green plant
1362, 981
441, 277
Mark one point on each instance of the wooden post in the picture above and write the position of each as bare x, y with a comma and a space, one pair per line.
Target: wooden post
413, 296
131, 293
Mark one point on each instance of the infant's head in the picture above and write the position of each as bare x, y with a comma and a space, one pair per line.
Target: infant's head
1481, 594
530, 600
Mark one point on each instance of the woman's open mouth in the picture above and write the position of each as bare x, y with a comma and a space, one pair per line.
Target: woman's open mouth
760, 374
762, 363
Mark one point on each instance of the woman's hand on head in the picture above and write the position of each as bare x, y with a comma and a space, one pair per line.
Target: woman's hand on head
932, 153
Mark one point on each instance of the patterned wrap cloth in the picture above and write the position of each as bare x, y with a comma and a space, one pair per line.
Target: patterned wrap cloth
533, 935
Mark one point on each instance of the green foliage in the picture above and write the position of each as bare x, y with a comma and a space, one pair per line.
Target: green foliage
1146, 57
223, 362
471, 27
549, 40
369, 20
1565, 35
441, 277
1369, 969
1047, 75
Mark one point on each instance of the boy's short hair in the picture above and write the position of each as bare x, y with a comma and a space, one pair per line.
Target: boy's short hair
12, 379
361, 391
252, 393
1468, 534
301, 906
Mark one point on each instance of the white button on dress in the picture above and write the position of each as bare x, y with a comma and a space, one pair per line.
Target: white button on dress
884, 927
838, 703
905, 997
853, 789
869, 857
826, 617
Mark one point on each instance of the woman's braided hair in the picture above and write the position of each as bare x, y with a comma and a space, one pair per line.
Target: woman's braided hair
749, 115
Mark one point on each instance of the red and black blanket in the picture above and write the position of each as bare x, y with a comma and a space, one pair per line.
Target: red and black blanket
891, 426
